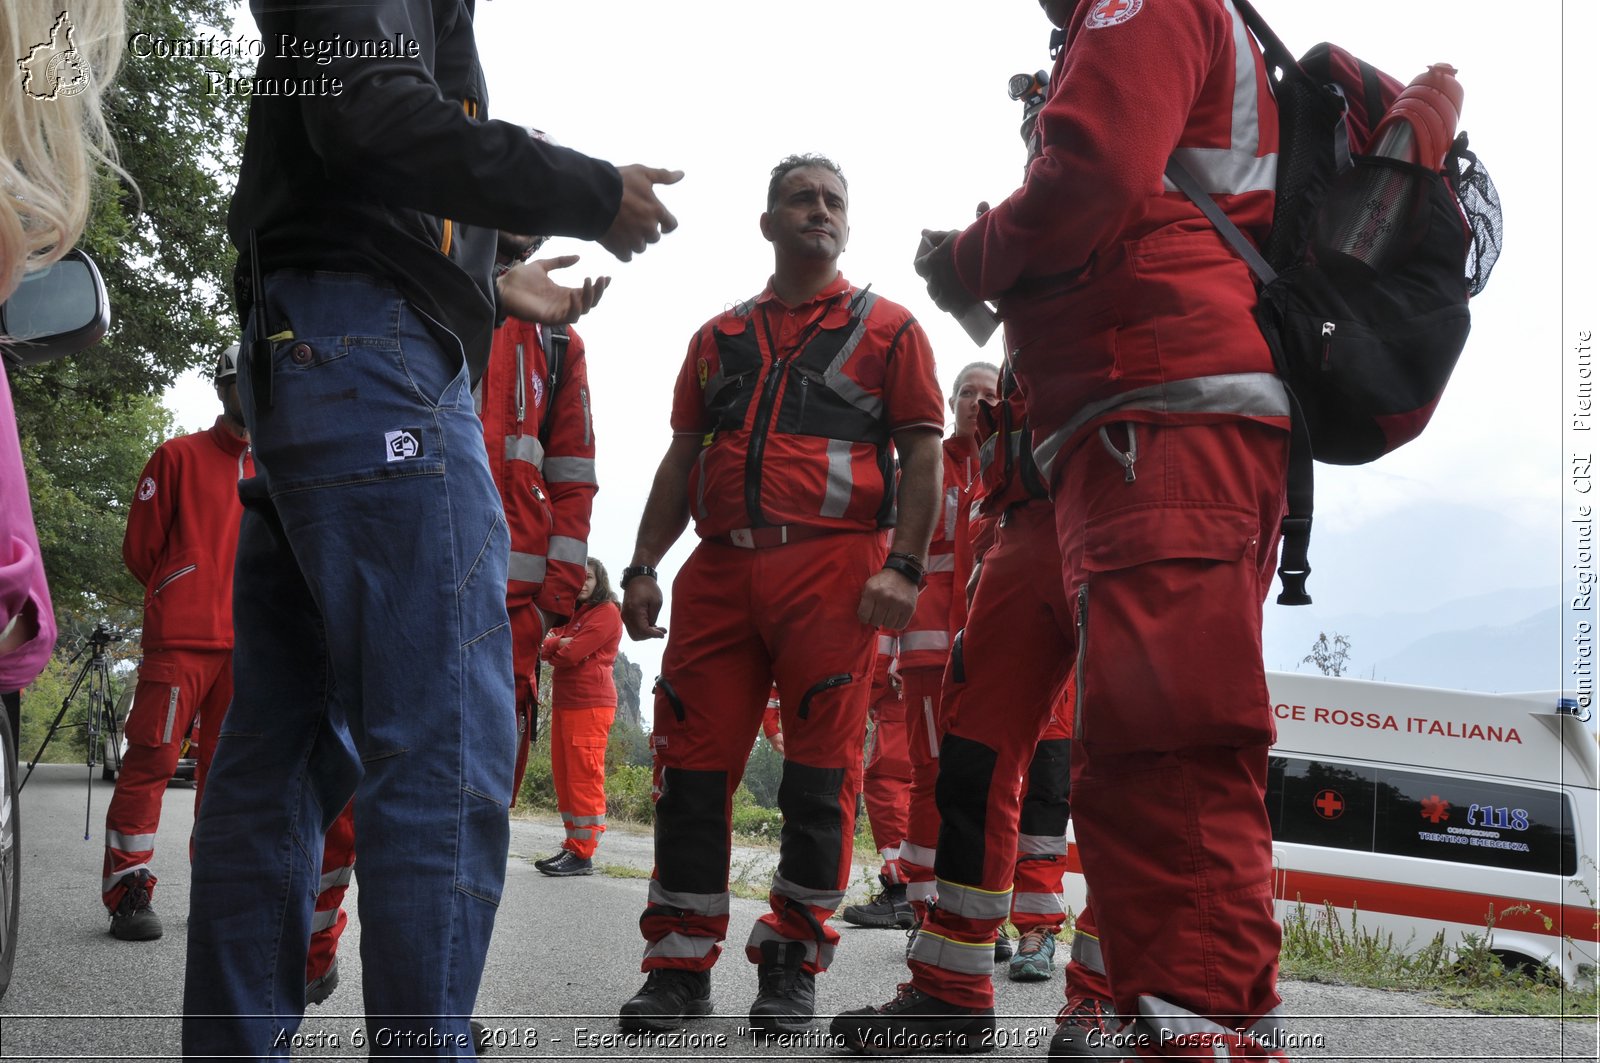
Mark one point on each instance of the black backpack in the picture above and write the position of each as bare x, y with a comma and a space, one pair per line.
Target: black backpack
1365, 354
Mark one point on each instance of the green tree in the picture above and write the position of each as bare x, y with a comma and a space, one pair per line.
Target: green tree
88, 422
1331, 656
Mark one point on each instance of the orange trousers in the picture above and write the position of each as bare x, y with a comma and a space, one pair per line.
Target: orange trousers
578, 769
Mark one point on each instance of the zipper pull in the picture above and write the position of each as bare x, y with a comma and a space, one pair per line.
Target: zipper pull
1328, 328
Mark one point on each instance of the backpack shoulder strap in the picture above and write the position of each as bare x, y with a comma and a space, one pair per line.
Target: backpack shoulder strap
1190, 186
554, 340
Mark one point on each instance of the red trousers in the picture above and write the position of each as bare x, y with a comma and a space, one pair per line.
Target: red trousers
1165, 573
578, 769
920, 688
174, 686
886, 782
1036, 893
1168, 574
527, 632
338, 867
1007, 672
742, 619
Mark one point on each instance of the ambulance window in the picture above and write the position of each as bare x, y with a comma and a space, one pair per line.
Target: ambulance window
1312, 803
1470, 822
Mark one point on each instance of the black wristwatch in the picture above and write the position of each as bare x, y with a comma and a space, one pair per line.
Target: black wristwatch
633, 571
909, 566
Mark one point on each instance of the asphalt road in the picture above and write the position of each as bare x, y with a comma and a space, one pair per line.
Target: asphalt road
565, 954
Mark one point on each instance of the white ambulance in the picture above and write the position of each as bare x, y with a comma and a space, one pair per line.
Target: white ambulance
1420, 810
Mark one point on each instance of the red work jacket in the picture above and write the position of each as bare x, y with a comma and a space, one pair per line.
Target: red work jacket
1121, 301
941, 607
183, 532
796, 406
546, 478
582, 678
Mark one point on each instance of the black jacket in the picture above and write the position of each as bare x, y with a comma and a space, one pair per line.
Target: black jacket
387, 164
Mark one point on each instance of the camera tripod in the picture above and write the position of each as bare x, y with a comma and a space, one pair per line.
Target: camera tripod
95, 675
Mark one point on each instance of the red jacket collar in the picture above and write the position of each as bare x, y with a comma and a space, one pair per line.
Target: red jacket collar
225, 440
837, 285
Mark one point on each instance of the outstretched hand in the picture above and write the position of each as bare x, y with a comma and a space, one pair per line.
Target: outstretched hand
530, 293
641, 219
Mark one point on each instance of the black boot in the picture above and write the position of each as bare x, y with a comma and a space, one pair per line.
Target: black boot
787, 1001
134, 919
668, 998
886, 910
1084, 1032
914, 1023
565, 864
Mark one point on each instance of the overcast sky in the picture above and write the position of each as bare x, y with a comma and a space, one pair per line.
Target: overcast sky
910, 98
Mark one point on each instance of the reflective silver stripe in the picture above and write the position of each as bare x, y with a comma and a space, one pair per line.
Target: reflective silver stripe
1042, 844
586, 821
339, 876
565, 548
581, 834
1226, 172
528, 568
1164, 1021
1239, 167
111, 880
172, 716
821, 955
1039, 903
941, 563
912, 641
926, 892
1246, 394
324, 920
829, 899
947, 954
130, 843
970, 902
841, 481
569, 471
707, 904
857, 396
677, 946
525, 448
1086, 950
886, 645
986, 452
912, 853
952, 500
843, 386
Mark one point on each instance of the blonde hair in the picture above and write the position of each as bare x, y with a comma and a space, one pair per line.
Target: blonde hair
52, 130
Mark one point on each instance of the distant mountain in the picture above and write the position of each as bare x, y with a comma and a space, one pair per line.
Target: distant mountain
1438, 595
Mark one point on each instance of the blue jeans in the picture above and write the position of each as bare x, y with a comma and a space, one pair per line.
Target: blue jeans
372, 657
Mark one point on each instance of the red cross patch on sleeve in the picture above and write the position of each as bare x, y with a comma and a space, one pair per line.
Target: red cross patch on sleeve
1111, 13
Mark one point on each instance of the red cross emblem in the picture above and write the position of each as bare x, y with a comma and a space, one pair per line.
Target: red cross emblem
1329, 804
1111, 13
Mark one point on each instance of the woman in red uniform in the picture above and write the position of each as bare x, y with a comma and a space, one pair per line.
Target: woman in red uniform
583, 701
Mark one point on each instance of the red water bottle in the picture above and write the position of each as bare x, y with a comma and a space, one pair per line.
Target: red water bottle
1368, 222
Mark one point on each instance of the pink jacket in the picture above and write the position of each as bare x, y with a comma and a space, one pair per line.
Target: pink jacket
23, 591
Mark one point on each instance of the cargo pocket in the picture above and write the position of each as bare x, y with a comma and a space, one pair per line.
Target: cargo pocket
1169, 631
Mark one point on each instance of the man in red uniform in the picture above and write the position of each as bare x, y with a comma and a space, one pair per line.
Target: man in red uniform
941, 611
1159, 427
183, 528
783, 419
538, 429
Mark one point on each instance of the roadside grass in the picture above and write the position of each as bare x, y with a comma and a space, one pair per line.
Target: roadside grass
1321, 946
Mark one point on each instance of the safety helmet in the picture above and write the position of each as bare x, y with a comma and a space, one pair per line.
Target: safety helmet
227, 364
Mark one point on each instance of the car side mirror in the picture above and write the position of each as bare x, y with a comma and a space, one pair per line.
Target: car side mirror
55, 312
